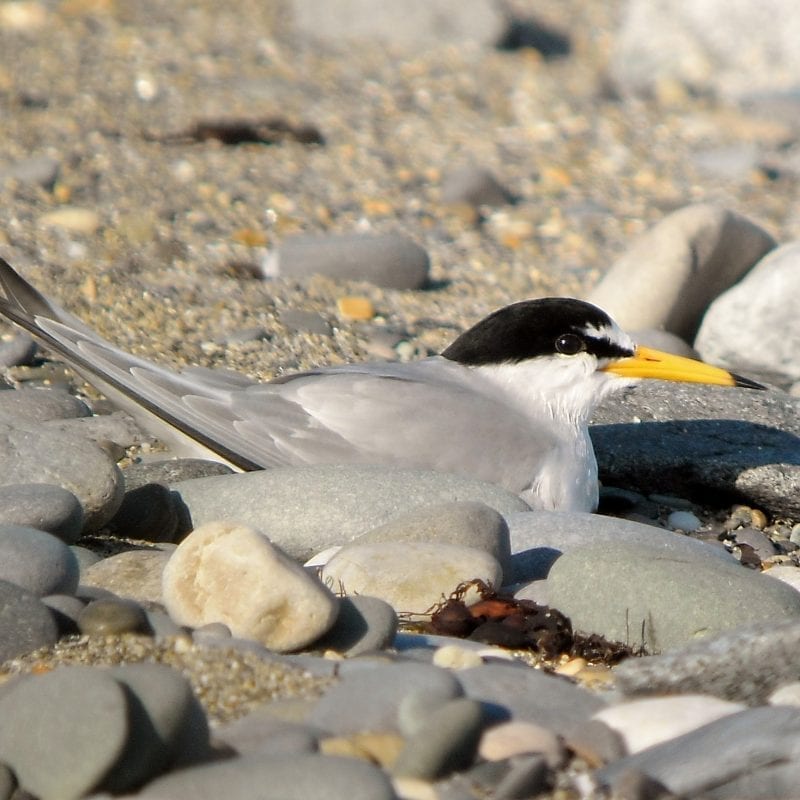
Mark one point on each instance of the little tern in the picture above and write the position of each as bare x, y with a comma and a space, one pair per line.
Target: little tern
508, 401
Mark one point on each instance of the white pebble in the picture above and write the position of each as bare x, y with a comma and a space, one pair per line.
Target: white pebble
683, 521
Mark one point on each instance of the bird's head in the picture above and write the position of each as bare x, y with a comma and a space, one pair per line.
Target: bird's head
571, 354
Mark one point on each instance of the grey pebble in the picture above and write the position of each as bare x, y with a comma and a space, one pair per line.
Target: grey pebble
416, 708
446, 742
702, 441
148, 513
44, 506
368, 699
66, 609
300, 321
363, 624
759, 541
214, 631
539, 538
307, 509
168, 726
527, 776
111, 617
261, 733
135, 574
718, 752
17, 351
511, 691
636, 594
37, 561
467, 523
37, 170
745, 664
595, 742
118, 428
31, 454
40, 405
295, 777
162, 625
391, 260
475, 186
26, 623
63, 731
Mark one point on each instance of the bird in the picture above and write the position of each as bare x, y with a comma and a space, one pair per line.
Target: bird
508, 402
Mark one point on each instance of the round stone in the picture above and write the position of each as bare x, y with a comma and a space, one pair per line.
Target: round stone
37, 561
112, 616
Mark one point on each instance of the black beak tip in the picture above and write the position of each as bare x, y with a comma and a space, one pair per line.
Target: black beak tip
746, 383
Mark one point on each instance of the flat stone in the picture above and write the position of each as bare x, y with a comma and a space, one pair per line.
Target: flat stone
468, 523
702, 442
369, 698
37, 561
172, 470
297, 777
764, 783
735, 332
305, 510
224, 572
539, 538
447, 742
667, 278
743, 665
63, 731
517, 693
391, 260
651, 721
261, 733
135, 574
417, 25
118, 428
29, 454
42, 506
410, 576
643, 596
509, 739
40, 405
26, 623
718, 752
363, 624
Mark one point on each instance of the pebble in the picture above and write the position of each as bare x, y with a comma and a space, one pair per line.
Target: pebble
474, 186
37, 561
308, 509
261, 733
509, 739
527, 776
717, 753
454, 657
702, 441
468, 523
390, 260
112, 616
539, 538
135, 574
594, 742
640, 597
786, 695
519, 694
35, 170
42, 506
84, 221
169, 471
760, 543
743, 665
446, 742
684, 521
690, 257
651, 721
85, 557
368, 698
17, 351
734, 332
32, 455
224, 572
26, 623
364, 624
383, 569
64, 755
65, 609
280, 777
787, 574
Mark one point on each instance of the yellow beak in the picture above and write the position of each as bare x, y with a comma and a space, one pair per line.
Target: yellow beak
648, 363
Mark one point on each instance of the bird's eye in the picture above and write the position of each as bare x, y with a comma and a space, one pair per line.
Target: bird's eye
569, 344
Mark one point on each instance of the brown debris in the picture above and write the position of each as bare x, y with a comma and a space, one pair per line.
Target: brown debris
502, 620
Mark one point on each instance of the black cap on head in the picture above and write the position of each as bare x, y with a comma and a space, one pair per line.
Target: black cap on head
532, 328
